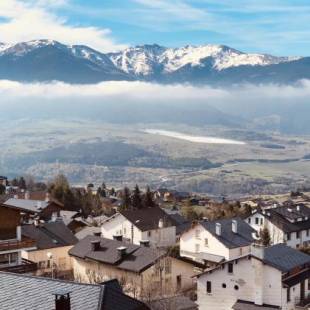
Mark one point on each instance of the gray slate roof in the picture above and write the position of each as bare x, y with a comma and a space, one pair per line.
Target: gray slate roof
284, 257
246, 305
20, 292
87, 231
29, 205
137, 258
231, 240
147, 218
49, 235
283, 218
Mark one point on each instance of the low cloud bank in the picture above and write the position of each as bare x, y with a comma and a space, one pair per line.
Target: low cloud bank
138, 100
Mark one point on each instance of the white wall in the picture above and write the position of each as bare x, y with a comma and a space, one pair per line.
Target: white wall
276, 234
119, 225
257, 282
244, 277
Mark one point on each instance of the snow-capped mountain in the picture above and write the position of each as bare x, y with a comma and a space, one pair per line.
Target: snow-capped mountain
147, 59
45, 60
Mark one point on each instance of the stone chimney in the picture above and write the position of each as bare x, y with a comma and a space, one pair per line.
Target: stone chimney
95, 245
122, 251
161, 223
62, 300
218, 229
234, 226
19, 233
145, 243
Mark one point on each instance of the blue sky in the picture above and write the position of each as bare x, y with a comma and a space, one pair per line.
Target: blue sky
279, 27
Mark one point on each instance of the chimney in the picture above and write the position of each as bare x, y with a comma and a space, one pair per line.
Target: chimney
27, 195
95, 245
298, 208
121, 251
47, 197
258, 264
145, 243
161, 223
234, 226
218, 229
19, 233
118, 237
62, 300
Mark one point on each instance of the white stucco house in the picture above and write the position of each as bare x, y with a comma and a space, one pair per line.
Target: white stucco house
286, 224
270, 278
215, 241
141, 226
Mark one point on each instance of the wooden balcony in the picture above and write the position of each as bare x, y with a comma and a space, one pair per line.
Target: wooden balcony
7, 245
26, 266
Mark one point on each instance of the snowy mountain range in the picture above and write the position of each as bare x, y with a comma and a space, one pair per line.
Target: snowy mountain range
46, 60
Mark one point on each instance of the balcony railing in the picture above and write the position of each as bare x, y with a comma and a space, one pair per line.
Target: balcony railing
26, 266
6, 245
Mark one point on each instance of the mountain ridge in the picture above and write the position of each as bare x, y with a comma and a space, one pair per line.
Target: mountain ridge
47, 60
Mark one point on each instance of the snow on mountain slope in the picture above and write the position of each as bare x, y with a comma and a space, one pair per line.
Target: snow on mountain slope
145, 60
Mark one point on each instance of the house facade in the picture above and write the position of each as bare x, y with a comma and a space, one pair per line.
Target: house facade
285, 224
216, 241
270, 278
150, 225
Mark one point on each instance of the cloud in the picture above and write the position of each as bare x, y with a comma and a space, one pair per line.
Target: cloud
31, 20
143, 92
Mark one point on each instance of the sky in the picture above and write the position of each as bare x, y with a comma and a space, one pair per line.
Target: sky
279, 27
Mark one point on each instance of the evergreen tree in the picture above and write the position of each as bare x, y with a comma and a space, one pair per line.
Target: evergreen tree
112, 191
2, 189
103, 186
22, 183
136, 198
126, 203
148, 200
14, 182
265, 236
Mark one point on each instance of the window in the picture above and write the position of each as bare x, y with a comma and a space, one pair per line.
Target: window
240, 251
249, 220
149, 233
197, 234
297, 246
179, 282
261, 221
209, 287
224, 285
297, 234
9, 258
256, 220
206, 242
124, 231
288, 236
197, 248
230, 268
236, 287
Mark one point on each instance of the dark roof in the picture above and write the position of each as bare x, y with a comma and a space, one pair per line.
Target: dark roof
175, 303
113, 283
242, 238
147, 218
137, 258
247, 305
36, 293
284, 257
49, 235
289, 218
180, 222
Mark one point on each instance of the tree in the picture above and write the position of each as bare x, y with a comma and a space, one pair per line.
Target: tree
188, 211
112, 191
136, 198
101, 192
126, 203
103, 186
14, 182
148, 200
265, 236
22, 183
2, 189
